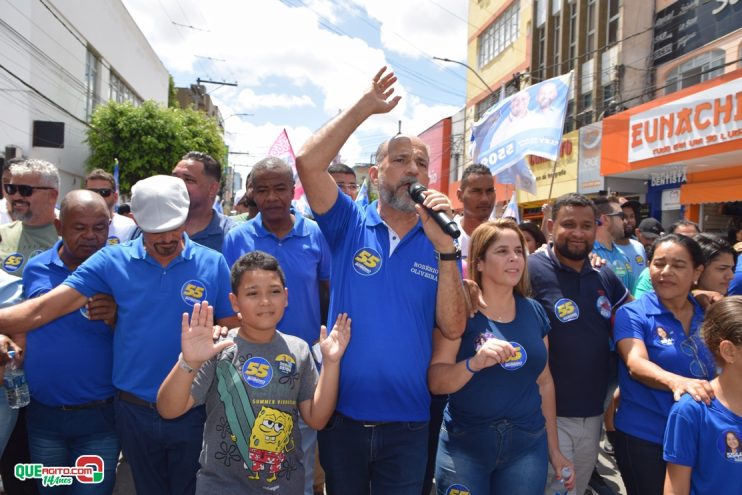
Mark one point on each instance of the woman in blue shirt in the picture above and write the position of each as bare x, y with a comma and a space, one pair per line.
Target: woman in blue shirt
499, 429
702, 442
662, 357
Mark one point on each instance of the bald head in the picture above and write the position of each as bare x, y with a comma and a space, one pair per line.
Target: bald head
84, 218
81, 200
383, 150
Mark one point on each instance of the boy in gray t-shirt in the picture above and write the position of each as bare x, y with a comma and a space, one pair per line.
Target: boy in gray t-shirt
254, 384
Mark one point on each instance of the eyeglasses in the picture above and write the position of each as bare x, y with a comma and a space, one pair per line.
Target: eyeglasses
348, 187
697, 368
23, 190
105, 192
618, 214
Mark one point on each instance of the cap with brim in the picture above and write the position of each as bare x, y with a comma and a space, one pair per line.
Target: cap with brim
650, 228
159, 203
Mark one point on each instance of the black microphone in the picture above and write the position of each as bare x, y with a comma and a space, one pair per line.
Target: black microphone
444, 222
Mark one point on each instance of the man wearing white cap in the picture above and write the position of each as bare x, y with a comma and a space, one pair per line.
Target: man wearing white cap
154, 280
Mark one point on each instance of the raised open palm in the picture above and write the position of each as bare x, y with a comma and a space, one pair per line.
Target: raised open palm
333, 346
196, 338
379, 95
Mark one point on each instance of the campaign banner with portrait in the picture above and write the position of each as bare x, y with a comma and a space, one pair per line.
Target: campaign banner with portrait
529, 122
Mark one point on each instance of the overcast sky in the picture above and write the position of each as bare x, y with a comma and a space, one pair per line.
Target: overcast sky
298, 62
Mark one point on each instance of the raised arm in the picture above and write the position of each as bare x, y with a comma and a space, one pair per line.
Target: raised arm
316, 412
174, 397
450, 302
38, 311
317, 153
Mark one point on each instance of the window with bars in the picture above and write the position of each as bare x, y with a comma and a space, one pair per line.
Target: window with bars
499, 35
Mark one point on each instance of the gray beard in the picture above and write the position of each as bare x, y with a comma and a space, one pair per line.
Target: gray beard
399, 199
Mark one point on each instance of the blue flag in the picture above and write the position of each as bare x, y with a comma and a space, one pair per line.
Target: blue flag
511, 210
116, 173
362, 198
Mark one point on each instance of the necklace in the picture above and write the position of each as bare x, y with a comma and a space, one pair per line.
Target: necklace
503, 316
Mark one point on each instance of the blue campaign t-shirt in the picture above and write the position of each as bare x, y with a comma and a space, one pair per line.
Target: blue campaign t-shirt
214, 233
68, 361
618, 262
507, 390
708, 439
304, 257
637, 257
735, 288
151, 300
391, 299
579, 306
643, 412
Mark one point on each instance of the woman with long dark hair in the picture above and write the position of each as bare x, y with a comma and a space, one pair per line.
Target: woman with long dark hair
662, 357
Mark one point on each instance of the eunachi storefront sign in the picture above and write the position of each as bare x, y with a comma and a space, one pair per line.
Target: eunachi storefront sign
709, 117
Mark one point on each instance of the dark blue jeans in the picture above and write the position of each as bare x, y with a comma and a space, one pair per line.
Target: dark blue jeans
58, 438
383, 459
163, 453
641, 464
489, 459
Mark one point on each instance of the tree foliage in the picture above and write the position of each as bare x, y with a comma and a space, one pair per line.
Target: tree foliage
149, 139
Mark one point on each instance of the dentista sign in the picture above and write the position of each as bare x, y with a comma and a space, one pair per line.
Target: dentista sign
702, 119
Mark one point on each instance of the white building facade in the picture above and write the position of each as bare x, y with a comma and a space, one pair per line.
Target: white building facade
59, 59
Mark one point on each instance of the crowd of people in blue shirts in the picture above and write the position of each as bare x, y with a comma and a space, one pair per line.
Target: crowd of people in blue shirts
195, 343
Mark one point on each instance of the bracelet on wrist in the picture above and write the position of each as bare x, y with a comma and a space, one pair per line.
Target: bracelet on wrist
469, 367
184, 365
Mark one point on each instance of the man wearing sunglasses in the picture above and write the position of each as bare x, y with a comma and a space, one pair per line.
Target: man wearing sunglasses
610, 228
121, 228
32, 192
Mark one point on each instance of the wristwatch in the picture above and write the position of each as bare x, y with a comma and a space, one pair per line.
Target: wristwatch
182, 363
456, 255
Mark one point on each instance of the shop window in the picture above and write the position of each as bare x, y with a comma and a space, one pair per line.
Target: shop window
698, 69
499, 35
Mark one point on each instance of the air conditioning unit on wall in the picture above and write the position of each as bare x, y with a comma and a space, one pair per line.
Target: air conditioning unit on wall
13, 151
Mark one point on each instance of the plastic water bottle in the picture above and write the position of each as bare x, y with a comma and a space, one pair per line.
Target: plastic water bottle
16, 386
566, 474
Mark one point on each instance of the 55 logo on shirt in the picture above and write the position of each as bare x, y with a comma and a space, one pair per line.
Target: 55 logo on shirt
193, 292
367, 261
13, 262
566, 310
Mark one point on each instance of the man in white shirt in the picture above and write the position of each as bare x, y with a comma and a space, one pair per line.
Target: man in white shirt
121, 228
477, 193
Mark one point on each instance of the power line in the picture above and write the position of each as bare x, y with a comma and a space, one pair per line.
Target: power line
46, 98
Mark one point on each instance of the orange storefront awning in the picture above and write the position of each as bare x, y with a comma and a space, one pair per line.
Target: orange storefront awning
718, 191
